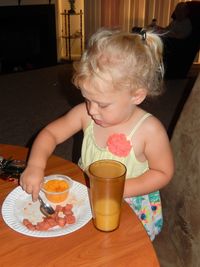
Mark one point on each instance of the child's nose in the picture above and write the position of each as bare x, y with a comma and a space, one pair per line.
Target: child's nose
93, 108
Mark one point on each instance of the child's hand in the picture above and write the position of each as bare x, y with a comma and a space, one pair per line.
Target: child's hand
31, 180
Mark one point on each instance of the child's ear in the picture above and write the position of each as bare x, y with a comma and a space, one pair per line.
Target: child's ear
138, 96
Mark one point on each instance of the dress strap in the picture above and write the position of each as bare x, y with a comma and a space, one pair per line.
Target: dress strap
146, 115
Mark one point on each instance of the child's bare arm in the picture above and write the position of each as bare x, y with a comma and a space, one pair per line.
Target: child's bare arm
44, 145
157, 151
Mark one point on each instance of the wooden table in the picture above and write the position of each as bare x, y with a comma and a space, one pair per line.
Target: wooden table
129, 245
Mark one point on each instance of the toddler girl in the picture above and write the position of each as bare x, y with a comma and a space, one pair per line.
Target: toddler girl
115, 74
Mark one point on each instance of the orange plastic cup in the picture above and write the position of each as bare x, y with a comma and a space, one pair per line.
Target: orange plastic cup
107, 178
56, 187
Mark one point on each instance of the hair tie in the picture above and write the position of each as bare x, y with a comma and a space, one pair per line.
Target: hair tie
143, 33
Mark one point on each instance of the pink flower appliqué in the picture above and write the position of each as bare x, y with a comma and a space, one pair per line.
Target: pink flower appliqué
119, 145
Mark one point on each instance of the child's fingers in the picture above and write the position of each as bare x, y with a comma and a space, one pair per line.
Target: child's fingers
35, 194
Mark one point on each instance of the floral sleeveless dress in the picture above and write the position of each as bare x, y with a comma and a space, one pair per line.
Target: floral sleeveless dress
147, 207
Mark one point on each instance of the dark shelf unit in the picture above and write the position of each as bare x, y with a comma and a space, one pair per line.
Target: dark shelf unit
67, 16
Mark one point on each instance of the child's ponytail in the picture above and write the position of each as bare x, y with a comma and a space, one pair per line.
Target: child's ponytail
156, 45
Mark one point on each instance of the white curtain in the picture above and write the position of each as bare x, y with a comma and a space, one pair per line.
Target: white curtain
126, 14
92, 11
131, 13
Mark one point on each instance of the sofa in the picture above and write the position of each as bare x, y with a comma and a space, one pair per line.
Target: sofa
178, 245
180, 54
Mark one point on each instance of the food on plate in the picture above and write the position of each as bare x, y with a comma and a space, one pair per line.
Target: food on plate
56, 188
63, 216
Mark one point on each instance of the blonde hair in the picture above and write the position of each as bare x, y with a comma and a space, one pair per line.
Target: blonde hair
131, 60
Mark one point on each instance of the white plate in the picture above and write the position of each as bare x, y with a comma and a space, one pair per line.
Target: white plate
18, 205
